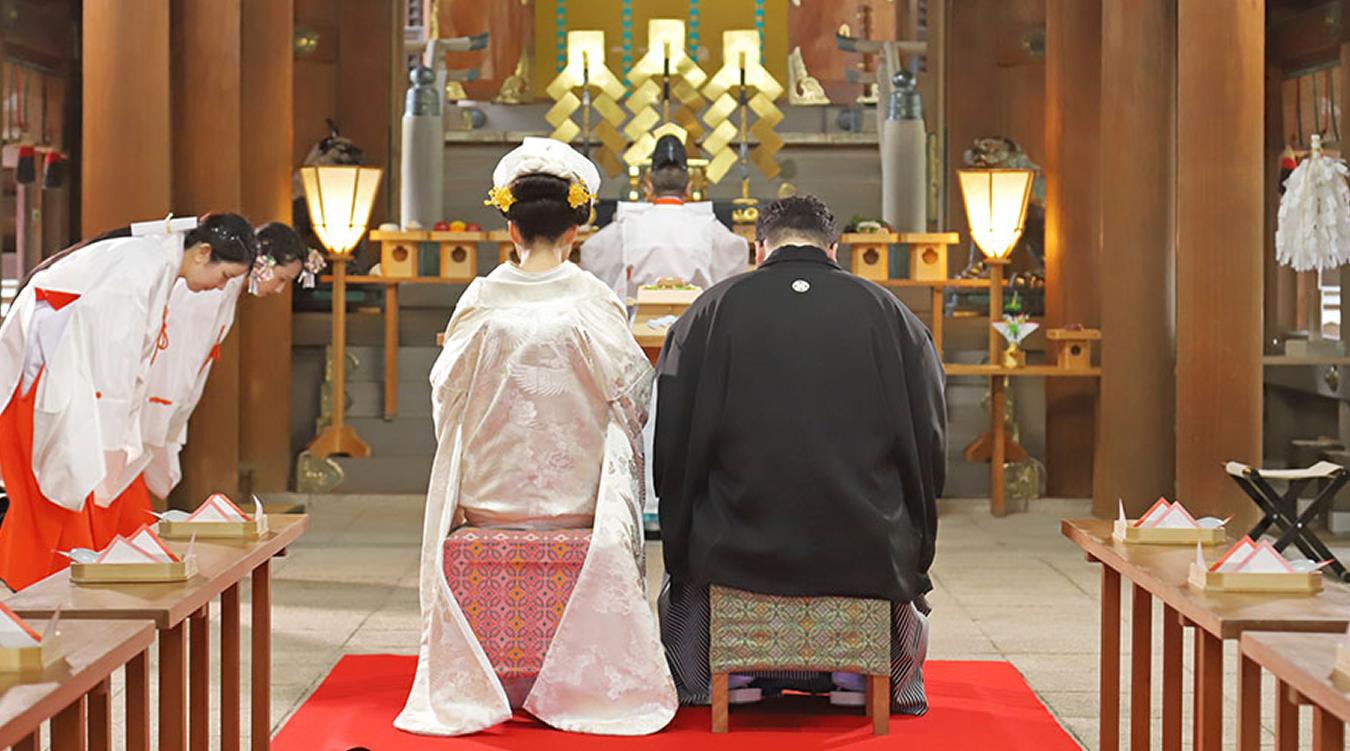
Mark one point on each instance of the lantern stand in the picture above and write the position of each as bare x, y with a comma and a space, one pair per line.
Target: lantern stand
340, 199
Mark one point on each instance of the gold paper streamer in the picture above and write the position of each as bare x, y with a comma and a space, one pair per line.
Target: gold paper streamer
666, 55
741, 62
586, 69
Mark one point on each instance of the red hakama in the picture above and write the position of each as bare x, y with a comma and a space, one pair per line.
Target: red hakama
34, 528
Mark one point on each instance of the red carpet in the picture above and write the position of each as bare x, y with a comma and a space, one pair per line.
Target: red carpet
973, 705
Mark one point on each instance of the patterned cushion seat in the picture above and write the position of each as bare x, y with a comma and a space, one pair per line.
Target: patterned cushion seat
753, 632
513, 586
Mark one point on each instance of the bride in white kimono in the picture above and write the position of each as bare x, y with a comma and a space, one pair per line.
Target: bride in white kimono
539, 396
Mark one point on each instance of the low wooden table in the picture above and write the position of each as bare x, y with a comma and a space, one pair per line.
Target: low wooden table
74, 693
221, 566
1301, 664
1161, 571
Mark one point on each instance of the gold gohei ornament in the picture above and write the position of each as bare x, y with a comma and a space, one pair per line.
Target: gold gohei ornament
755, 91
665, 94
586, 84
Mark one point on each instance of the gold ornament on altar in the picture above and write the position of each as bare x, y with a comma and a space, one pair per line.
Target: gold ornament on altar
666, 67
516, 88
756, 91
586, 84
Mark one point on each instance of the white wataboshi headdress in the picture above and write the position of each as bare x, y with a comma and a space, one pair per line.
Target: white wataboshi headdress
546, 156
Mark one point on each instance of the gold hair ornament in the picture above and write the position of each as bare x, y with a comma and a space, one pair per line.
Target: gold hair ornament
577, 194
501, 197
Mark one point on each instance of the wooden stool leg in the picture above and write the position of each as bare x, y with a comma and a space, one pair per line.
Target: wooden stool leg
199, 680
1286, 718
1249, 705
879, 703
173, 688
1328, 731
1171, 679
719, 702
100, 717
68, 728
138, 703
261, 719
229, 669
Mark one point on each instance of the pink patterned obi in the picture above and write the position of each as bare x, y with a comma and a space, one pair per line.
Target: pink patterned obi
513, 586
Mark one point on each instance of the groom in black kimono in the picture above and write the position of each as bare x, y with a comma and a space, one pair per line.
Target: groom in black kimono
800, 442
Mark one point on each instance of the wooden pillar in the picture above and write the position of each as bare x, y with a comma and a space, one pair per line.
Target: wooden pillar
1220, 178
207, 154
265, 323
125, 145
1073, 35
1135, 459
367, 97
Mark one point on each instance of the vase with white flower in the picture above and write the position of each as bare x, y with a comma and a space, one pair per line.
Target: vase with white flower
1015, 329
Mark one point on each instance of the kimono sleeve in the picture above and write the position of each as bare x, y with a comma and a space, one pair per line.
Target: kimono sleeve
730, 253
602, 255
452, 373
617, 361
925, 389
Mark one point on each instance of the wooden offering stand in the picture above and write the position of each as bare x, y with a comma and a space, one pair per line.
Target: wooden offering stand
85, 574
249, 530
28, 661
1298, 582
1125, 531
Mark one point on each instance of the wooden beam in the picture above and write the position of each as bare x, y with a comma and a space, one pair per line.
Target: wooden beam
1307, 38
265, 323
125, 150
1072, 226
1134, 459
1219, 214
369, 42
207, 154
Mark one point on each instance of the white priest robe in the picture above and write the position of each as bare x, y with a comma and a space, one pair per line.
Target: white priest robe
196, 330
526, 361
94, 356
648, 241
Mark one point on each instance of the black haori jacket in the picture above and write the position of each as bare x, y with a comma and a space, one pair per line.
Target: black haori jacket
800, 435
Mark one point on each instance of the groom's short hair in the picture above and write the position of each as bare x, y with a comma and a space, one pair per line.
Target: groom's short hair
800, 219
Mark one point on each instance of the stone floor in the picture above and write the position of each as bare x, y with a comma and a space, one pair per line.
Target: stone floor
1005, 589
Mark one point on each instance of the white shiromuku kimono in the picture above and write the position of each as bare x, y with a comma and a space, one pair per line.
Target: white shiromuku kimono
648, 241
539, 397
196, 329
94, 356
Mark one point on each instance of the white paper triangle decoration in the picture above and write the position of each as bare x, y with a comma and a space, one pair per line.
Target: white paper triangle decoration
150, 543
1176, 517
1235, 556
1265, 559
1154, 513
14, 632
123, 551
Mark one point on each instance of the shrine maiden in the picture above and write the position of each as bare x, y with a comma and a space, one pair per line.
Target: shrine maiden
667, 237
197, 328
75, 353
799, 452
538, 399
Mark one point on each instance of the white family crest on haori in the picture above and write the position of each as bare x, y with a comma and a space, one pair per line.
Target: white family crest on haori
1313, 230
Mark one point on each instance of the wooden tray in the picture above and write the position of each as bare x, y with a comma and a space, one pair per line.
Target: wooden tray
1340, 673
213, 530
29, 660
1307, 582
132, 573
1126, 532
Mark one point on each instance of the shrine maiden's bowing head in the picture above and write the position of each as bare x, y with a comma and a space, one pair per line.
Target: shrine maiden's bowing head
220, 248
538, 400
282, 260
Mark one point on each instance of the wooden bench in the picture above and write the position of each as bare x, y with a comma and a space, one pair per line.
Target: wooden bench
1161, 572
175, 609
